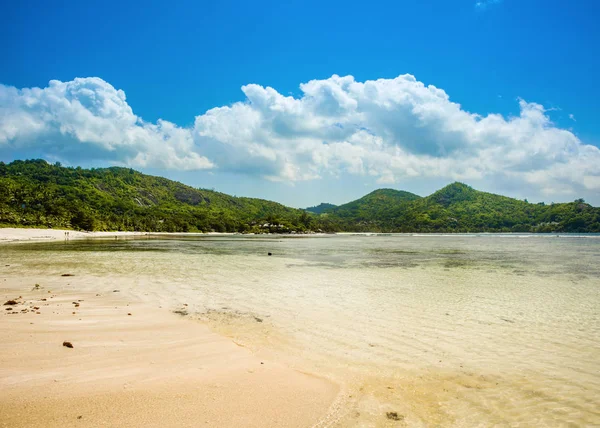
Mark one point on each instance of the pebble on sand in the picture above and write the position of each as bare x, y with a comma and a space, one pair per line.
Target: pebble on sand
67, 344
394, 416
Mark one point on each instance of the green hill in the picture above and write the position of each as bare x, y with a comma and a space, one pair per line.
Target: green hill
38, 194
321, 208
373, 212
460, 208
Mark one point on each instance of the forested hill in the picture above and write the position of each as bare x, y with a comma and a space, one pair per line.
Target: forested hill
320, 209
460, 208
36, 193
376, 211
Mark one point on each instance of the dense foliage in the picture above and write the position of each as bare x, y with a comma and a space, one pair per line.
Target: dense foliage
459, 208
320, 209
38, 194
376, 211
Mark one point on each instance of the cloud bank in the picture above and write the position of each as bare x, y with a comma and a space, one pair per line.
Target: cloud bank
87, 119
389, 129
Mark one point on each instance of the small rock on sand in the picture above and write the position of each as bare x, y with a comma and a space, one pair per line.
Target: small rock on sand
68, 344
394, 416
11, 302
67, 274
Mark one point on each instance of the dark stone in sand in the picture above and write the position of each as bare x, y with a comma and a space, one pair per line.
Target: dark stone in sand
11, 302
67, 274
269, 254
258, 319
68, 344
115, 291
9, 309
394, 416
129, 313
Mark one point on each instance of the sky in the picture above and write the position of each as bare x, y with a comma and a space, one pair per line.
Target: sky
308, 102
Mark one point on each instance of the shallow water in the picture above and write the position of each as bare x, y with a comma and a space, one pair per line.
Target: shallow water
459, 330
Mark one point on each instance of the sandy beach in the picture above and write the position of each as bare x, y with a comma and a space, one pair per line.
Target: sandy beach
134, 364
345, 331
15, 234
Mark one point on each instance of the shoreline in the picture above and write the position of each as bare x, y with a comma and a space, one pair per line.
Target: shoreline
12, 235
16, 235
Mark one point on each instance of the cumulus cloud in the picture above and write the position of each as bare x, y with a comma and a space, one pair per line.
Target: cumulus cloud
88, 119
392, 130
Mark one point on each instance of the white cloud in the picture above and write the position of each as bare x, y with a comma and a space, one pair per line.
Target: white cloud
88, 119
483, 4
572, 117
392, 130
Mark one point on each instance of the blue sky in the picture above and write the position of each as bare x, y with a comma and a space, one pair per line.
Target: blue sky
177, 61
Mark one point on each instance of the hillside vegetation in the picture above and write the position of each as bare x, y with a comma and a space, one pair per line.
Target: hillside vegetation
320, 209
460, 208
38, 194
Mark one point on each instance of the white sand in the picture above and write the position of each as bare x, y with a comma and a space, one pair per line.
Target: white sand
150, 368
10, 234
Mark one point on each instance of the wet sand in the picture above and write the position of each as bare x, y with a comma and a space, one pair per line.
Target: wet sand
150, 368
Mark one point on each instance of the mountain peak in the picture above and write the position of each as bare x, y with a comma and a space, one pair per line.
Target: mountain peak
455, 192
321, 208
392, 193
